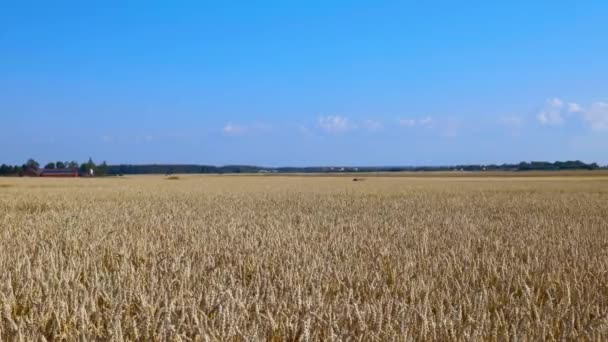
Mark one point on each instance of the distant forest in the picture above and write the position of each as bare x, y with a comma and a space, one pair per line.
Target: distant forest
33, 168
128, 169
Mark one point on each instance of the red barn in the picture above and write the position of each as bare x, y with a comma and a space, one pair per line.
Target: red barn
59, 173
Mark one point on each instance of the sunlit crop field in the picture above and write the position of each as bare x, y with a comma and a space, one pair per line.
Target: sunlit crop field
304, 258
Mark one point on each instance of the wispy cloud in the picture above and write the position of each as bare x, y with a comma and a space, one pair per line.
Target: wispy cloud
551, 113
446, 127
555, 110
372, 125
336, 124
231, 129
574, 108
407, 122
597, 116
234, 129
426, 121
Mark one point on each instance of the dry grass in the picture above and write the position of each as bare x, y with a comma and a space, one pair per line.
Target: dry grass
299, 258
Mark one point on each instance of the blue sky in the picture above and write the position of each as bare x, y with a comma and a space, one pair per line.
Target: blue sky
304, 82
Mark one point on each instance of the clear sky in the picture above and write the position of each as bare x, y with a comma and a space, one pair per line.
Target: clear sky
304, 82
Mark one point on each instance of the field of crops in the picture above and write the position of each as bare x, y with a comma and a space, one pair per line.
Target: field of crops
304, 258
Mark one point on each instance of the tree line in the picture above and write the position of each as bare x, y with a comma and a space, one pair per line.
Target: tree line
31, 168
130, 169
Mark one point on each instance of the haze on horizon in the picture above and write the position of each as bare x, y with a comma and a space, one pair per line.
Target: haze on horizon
304, 83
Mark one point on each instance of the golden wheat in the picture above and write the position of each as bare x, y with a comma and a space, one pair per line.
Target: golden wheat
304, 258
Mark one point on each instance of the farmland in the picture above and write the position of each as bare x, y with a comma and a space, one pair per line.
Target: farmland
304, 258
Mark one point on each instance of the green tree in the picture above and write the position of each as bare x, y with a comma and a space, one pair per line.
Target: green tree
50, 165
73, 164
32, 164
102, 169
5, 170
60, 165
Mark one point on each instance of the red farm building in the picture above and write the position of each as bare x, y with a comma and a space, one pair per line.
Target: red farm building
59, 173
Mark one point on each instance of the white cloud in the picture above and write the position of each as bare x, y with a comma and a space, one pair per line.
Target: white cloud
551, 113
248, 129
446, 127
574, 108
372, 126
426, 121
231, 129
407, 122
555, 102
554, 111
335, 124
597, 116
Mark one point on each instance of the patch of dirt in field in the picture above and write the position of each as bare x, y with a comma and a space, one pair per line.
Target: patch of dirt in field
32, 207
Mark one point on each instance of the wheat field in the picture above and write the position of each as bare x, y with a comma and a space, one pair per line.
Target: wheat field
248, 258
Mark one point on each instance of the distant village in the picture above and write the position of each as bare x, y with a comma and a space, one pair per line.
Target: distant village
31, 168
